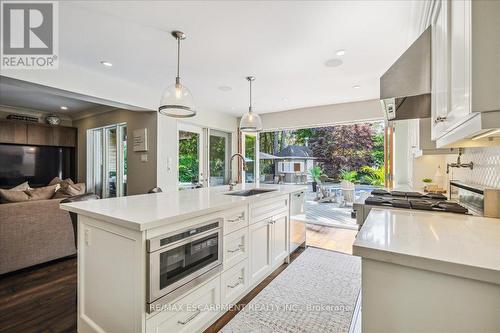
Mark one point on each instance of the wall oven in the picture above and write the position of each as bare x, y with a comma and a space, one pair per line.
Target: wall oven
180, 260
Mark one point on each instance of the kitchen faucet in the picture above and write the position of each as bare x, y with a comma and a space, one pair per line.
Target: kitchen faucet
231, 184
459, 164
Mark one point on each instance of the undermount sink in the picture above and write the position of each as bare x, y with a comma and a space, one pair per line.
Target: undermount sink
247, 193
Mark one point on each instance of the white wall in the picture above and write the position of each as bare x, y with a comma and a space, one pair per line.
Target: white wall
401, 155
323, 115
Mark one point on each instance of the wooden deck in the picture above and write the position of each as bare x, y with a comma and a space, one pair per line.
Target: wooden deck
329, 214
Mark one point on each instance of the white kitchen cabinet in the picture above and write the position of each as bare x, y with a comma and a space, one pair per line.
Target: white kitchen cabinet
234, 282
465, 72
440, 69
191, 313
235, 247
279, 241
260, 236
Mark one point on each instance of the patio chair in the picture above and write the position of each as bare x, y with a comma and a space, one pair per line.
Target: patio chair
323, 195
347, 189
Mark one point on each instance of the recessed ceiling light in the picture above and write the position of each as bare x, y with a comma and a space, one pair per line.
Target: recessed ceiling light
64, 107
340, 52
107, 63
225, 88
356, 87
335, 62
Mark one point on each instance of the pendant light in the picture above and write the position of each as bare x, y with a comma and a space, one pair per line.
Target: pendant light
176, 100
250, 122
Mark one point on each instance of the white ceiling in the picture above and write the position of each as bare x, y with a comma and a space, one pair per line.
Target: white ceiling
285, 44
34, 97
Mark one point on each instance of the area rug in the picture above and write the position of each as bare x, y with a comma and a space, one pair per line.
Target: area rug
316, 293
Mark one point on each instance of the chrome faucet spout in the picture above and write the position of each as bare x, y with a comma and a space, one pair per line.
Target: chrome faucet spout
459, 163
231, 183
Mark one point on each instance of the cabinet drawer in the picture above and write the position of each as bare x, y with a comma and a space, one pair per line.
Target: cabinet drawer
189, 314
235, 247
235, 219
234, 282
267, 208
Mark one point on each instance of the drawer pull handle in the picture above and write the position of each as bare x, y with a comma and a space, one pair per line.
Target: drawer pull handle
237, 219
194, 315
240, 281
240, 248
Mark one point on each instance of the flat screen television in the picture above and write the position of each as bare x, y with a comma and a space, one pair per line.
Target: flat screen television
35, 164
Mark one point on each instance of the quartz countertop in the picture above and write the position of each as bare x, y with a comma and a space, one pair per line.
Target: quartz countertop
146, 211
461, 245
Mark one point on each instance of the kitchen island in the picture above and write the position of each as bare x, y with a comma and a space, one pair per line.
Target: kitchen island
429, 272
174, 261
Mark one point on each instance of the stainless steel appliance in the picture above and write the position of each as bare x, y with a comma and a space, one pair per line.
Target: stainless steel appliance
405, 89
297, 221
406, 200
180, 260
479, 200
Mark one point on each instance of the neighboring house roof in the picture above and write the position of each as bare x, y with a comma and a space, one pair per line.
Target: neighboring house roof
266, 156
296, 152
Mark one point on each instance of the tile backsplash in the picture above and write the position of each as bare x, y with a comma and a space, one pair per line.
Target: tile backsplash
486, 170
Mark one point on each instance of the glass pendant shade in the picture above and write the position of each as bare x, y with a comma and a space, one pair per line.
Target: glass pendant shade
250, 122
177, 101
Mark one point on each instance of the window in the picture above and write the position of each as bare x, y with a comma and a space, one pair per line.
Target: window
250, 147
202, 164
190, 162
218, 157
107, 160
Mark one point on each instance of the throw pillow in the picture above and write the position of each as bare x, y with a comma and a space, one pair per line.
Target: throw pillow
69, 190
21, 187
42, 193
7, 196
54, 181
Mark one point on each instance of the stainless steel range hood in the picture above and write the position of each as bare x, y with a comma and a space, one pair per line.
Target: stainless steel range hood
405, 89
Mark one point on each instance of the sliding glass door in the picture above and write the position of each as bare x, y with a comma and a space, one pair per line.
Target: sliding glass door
107, 160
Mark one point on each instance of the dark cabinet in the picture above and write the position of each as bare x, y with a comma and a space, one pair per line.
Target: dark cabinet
37, 134
40, 135
12, 132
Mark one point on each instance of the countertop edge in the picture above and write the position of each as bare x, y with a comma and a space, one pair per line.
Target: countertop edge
429, 264
177, 218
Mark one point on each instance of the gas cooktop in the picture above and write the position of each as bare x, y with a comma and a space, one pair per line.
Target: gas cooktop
409, 195
414, 200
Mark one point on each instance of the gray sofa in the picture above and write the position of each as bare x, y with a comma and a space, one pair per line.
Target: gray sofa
34, 232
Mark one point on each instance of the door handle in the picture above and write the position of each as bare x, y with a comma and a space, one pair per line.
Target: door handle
194, 315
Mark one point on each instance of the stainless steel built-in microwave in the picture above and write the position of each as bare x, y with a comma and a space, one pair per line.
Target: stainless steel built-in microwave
180, 260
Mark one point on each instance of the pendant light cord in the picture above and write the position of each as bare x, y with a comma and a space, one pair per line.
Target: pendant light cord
177, 79
250, 107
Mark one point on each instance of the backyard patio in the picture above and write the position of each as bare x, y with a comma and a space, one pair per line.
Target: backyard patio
334, 213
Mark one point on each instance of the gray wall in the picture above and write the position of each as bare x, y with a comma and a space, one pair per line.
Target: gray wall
141, 175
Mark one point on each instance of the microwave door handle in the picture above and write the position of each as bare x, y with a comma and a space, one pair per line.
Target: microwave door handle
190, 239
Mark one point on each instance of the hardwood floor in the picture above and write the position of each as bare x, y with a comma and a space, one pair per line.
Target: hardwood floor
330, 238
43, 298
39, 299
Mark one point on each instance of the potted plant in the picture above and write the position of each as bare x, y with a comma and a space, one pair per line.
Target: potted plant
315, 173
